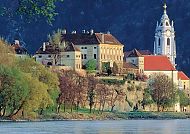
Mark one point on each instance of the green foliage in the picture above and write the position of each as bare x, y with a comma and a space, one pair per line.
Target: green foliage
91, 65
13, 91
183, 98
55, 38
31, 9
147, 98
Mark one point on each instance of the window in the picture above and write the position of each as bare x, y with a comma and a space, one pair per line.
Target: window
168, 41
85, 47
49, 56
184, 87
68, 56
39, 56
167, 24
82, 56
159, 42
94, 47
85, 57
82, 47
94, 56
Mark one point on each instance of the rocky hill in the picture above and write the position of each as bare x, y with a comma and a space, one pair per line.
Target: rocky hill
132, 22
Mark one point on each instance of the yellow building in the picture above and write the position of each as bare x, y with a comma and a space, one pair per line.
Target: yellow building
184, 83
104, 48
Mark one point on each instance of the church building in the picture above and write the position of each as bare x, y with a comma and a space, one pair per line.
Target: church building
164, 43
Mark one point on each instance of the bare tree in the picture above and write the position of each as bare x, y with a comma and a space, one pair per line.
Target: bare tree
92, 82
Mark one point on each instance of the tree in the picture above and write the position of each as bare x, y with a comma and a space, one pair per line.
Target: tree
92, 82
183, 98
102, 93
30, 8
91, 65
13, 91
115, 69
163, 90
7, 54
147, 98
44, 76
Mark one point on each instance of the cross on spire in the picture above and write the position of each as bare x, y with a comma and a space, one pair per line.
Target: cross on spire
165, 7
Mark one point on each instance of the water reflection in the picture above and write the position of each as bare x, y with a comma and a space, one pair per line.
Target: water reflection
98, 127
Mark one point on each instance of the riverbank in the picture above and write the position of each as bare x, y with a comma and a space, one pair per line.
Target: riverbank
105, 116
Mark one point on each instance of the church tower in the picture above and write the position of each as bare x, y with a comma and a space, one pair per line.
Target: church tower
164, 43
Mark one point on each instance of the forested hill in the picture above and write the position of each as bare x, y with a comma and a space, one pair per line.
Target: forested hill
133, 22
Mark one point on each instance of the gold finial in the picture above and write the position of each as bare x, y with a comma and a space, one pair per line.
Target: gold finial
165, 6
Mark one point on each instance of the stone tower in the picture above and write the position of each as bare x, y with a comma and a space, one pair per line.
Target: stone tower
164, 43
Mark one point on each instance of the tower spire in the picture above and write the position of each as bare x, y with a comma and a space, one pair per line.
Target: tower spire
165, 6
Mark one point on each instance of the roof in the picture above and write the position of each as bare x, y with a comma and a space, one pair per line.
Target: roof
88, 39
157, 63
71, 48
134, 53
49, 49
182, 76
145, 52
19, 49
129, 65
52, 49
142, 52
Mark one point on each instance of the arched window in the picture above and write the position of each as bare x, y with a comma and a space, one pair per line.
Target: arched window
167, 24
159, 42
168, 41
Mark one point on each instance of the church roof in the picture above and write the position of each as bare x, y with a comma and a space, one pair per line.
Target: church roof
90, 39
142, 52
157, 63
182, 76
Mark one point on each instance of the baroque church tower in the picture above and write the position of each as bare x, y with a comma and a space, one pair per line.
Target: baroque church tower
164, 43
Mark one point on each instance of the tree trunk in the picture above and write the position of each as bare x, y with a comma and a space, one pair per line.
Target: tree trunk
112, 107
58, 108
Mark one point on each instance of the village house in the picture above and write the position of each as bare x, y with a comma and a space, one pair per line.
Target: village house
68, 56
20, 51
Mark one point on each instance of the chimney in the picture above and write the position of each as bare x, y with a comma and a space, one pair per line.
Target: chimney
44, 47
83, 31
91, 32
17, 42
102, 37
64, 31
74, 32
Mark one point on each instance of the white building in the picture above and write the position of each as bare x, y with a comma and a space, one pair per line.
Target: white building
164, 43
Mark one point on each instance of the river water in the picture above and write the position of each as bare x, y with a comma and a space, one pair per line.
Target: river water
98, 127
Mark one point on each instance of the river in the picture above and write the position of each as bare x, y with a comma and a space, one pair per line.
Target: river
98, 127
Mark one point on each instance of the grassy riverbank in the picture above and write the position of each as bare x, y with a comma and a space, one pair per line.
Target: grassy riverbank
85, 115
115, 116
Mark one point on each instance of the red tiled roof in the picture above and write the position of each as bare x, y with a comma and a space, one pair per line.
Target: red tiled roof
157, 63
88, 39
182, 76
